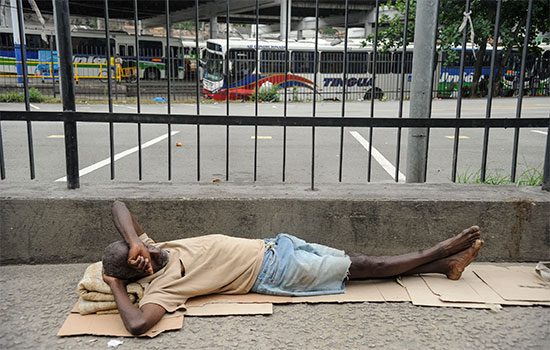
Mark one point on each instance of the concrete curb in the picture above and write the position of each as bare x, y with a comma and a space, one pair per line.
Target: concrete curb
46, 223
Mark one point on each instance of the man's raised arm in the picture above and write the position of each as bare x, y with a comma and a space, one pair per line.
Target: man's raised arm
129, 229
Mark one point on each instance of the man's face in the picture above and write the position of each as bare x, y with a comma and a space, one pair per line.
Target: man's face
159, 257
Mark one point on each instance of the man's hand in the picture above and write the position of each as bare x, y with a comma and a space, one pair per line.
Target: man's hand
140, 259
110, 280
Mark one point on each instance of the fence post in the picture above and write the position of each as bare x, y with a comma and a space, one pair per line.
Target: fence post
65, 66
421, 94
546, 170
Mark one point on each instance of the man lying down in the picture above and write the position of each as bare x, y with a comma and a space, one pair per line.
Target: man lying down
178, 270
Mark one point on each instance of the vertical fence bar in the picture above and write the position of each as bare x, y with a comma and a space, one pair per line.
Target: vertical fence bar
459, 98
52, 72
402, 92
546, 169
520, 95
373, 87
227, 92
167, 71
109, 82
314, 111
288, 26
138, 102
256, 91
345, 70
168, 66
198, 51
432, 72
65, 59
2, 163
25, 85
490, 92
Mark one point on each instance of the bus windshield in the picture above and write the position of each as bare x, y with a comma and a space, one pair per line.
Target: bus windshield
214, 66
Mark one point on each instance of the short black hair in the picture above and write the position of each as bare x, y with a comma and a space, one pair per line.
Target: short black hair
115, 262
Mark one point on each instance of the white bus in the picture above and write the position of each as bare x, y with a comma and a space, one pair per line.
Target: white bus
90, 54
271, 70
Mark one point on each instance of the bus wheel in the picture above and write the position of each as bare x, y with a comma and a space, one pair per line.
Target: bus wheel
378, 94
151, 74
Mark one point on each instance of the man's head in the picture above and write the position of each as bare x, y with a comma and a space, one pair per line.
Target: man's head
115, 261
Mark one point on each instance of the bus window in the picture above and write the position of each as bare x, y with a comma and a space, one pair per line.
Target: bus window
357, 62
272, 61
6, 41
150, 48
383, 63
242, 63
35, 42
303, 62
332, 62
397, 62
91, 46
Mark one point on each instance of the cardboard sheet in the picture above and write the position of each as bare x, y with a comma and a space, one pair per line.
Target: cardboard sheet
516, 283
392, 291
112, 325
421, 295
452, 291
481, 286
226, 309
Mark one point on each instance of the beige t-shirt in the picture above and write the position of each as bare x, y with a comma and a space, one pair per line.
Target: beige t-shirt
213, 264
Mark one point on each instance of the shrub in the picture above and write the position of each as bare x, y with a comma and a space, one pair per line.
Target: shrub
269, 93
18, 97
35, 95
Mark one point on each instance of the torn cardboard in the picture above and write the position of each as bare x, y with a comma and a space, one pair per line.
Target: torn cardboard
421, 295
112, 325
514, 283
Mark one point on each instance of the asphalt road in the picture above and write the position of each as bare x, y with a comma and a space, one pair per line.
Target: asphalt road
36, 299
94, 148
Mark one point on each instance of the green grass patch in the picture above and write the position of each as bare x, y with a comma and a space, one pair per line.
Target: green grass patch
18, 97
527, 177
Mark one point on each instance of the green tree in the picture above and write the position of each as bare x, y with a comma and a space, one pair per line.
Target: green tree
513, 21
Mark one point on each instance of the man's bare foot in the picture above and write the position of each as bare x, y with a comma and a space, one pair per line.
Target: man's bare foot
458, 262
460, 242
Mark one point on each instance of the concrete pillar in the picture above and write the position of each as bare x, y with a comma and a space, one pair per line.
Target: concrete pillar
18, 42
421, 95
286, 15
213, 27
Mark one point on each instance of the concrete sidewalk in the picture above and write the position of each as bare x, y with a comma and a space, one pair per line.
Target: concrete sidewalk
36, 299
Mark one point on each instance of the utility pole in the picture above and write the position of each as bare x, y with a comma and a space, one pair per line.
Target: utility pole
421, 94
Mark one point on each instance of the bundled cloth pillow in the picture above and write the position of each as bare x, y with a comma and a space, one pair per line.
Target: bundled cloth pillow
95, 295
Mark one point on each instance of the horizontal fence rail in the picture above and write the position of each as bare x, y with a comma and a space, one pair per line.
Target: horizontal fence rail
236, 120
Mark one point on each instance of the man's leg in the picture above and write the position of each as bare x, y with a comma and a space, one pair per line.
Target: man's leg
364, 266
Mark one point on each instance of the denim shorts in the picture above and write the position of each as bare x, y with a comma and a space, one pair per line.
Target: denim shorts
292, 267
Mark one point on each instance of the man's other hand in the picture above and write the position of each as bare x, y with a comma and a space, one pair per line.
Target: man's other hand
140, 259
110, 280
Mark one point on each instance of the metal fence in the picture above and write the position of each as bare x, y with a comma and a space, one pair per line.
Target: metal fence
113, 72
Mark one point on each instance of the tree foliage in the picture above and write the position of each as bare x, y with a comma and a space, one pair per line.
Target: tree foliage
513, 20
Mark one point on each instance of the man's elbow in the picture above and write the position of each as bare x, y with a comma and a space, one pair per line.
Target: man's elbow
137, 327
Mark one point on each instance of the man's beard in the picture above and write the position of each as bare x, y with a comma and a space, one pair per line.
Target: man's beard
161, 260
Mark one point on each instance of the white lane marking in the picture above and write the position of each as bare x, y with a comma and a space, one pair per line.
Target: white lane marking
56, 136
118, 156
388, 167
459, 136
131, 107
261, 137
540, 132
33, 106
